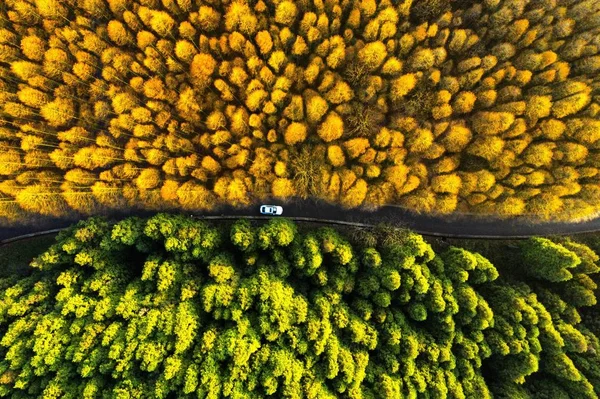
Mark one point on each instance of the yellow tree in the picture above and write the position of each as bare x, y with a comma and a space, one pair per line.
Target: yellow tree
96, 157
584, 130
208, 18
80, 177
552, 129
9, 208
59, 112
211, 165
33, 97
332, 127
146, 199
539, 154
295, 133
33, 47
392, 67
109, 194
396, 175
570, 105
240, 17
202, 67
161, 23
447, 184
25, 70
379, 194
422, 59
42, 199
487, 147
464, 102
10, 161
239, 122
356, 147
353, 190
315, 105
492, 123
233, 191
337, 53
283, 188
419, 200
124, 102
17, 110
51, 9
573, 153
79, 199
538, 107
194, 196
255, 99
510, 206
118, 33
402, 86
185, 50
285, 13
419, 140
168, 191
576, 209
445, 204
329, 186
56, 61
264, 41
295, 109
154, 88
339, 93
372, 55
335, 155
148, 178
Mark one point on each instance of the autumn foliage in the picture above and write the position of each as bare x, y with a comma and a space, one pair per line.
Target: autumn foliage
153, 102
174, 307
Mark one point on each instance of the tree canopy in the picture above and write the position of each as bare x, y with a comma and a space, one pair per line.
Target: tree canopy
219, 100
171, 306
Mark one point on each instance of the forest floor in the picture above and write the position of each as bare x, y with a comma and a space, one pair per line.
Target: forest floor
15, 257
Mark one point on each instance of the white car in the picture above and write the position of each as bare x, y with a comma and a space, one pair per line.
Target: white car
271, 210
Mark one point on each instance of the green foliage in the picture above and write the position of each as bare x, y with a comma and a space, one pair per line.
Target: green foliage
548, 260
243, 235
173, 307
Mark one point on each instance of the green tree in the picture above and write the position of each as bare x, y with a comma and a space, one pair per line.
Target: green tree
547, 260
174, 306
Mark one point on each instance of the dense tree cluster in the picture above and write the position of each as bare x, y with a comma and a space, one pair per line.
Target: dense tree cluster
439, 106
174, 307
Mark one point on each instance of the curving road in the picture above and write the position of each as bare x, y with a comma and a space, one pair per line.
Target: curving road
455, 226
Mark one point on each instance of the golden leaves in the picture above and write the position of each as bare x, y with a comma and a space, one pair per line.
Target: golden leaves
59, 112
372, 55
492, 123
212, 91
162, 23
402, 86
295, 133
332, 127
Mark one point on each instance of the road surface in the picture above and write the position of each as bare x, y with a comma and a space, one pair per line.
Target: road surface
455, 226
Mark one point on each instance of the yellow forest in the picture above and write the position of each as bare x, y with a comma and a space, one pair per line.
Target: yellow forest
487, 107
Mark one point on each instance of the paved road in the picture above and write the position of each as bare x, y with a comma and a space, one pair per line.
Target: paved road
447, 226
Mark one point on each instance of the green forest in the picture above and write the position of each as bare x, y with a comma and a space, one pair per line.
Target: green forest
174, 307
489, 107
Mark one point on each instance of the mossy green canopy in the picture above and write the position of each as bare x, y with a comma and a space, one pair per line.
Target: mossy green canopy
175, 307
